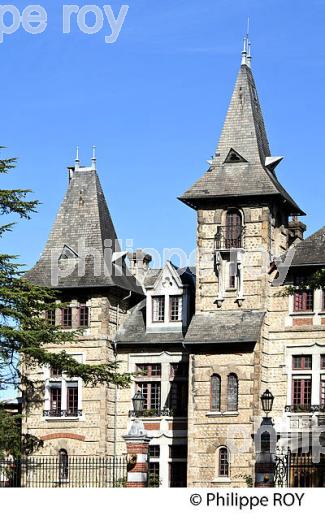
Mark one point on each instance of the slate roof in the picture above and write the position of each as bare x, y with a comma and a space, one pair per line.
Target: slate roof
244, 132
187, 276
311, 251
133, 330
224, 327
83, 220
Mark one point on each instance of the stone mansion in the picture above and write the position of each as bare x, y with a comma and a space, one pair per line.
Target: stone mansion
203, 343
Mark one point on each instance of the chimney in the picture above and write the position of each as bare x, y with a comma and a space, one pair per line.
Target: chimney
139, 264
296, 230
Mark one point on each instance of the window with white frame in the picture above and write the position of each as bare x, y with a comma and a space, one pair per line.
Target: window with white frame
158, 308
175, 308
148, 377
63, 394
163, 382
307, 381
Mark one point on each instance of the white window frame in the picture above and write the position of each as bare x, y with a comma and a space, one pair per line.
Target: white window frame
315, 372
64, 380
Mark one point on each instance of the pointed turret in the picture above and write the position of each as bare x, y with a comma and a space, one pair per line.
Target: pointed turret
82, 249
242, 164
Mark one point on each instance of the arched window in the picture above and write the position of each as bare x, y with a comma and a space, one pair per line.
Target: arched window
223, 462
63, 465
265, 442
215, 393
232, 393
233, 229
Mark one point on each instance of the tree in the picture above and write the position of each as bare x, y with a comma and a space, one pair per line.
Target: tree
23, 328
313, 281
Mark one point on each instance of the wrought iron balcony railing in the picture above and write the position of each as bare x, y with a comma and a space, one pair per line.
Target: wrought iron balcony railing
62, 413
305, 408
229, 237
159, 412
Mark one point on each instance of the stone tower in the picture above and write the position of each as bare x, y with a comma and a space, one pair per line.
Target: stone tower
83, 261
242, 224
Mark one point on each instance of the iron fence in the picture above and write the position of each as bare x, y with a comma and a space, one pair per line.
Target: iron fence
72, 472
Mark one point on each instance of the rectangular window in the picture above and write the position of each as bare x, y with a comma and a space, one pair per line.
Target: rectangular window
50, 317
153, 474
83, 316
154, 451
158, 308
149, 370
304, 299
55, 372
72, 398
322, 361
301, 393
55, 400
178, 451
175, 308
67, 317
302, 362
322, 390
178, 398
151, 394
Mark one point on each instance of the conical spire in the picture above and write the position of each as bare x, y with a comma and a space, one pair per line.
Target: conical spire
242, 164
82, 246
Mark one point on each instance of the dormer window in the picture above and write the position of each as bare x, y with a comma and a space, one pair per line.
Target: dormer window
158, 309
175, 307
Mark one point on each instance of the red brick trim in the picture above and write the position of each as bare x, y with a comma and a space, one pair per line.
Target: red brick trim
140, 467
302, 321
63, 435
152, 426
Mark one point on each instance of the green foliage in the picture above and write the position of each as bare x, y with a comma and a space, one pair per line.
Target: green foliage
313, 281
10, 438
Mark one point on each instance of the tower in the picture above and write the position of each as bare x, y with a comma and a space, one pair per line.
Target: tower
242, 225
82, 260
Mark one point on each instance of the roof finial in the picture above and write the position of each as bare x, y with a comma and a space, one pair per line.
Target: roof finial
246, 52
93, 160
77, 162
249, 54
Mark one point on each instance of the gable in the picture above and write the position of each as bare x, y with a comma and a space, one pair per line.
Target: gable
234, 157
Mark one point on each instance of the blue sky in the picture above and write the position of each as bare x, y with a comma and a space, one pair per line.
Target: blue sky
154, 103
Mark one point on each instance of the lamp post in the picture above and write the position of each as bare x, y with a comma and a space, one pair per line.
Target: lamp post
267, 399
265, 443
137, 444
138, 402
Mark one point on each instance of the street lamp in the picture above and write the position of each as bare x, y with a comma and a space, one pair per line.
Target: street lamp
265, 441
267, 399
138, 402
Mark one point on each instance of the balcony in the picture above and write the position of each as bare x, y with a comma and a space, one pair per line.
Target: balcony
62, 413
229, 237
305, 408
159, 412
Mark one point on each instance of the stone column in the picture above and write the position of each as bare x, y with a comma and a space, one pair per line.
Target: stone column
265, 445
137, 444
